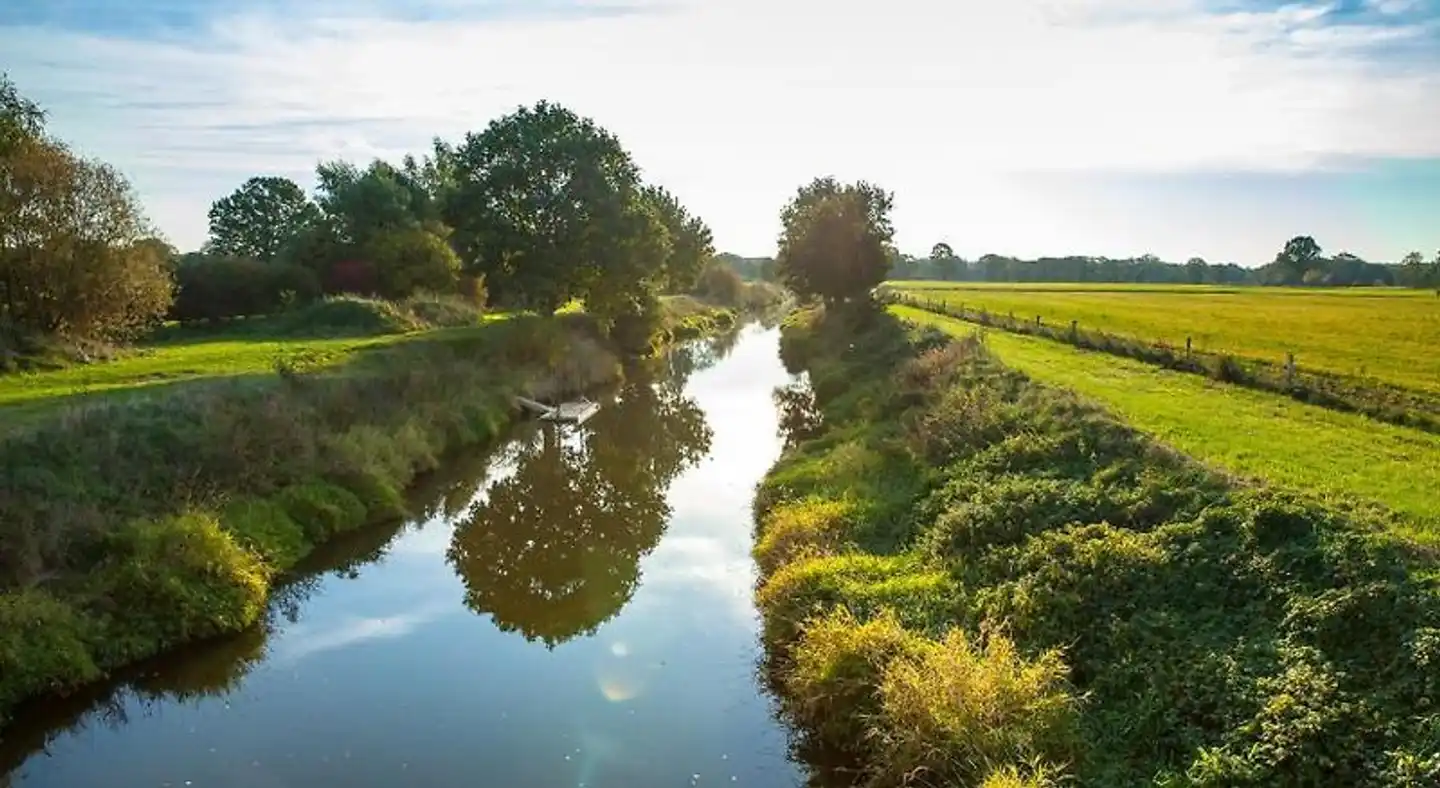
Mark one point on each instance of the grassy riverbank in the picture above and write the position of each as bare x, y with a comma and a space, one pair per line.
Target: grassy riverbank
971, 578
134, 524
1344, 456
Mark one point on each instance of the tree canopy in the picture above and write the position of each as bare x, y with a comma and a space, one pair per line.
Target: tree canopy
836, 242
544, 201
77, 256
260, 218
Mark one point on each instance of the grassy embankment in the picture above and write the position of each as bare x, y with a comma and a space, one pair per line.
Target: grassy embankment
132, 524
969, 578
1366, 351
1344, 457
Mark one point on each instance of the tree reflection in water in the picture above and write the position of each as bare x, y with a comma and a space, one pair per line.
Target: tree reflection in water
553, 551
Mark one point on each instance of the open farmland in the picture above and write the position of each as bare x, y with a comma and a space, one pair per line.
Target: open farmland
1247, 433
1387, 335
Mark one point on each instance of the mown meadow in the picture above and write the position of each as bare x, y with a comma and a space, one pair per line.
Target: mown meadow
973, 578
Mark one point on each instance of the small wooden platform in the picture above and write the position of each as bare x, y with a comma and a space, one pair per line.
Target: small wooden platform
565, 413
572, 412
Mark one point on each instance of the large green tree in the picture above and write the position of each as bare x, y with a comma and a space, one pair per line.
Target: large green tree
691, 243
542, 201
260, 218
836, 241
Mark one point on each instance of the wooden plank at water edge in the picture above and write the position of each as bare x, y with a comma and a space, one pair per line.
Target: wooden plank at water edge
572, 412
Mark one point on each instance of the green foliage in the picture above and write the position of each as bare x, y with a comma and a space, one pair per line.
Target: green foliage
171, 580
322, 510
216, 288
263, 527
413, 260
836, 240
691, 243
76, 259
43, 646
259, 218
966, 707
1212, 633
540, 193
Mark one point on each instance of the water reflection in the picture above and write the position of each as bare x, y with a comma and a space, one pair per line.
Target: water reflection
552, 551
547, 537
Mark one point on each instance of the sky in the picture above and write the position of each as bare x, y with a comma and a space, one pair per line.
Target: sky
1217, 128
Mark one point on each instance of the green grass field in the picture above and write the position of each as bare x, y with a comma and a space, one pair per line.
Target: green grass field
1387, 334
1245, 432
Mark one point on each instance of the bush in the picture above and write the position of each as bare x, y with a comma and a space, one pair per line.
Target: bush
965, 708
321, 509
413, 260
216, 288
43, 646
172, 580
721, 284
810, 528
833, 686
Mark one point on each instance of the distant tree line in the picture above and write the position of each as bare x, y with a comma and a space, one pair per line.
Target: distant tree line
1300, 263
541, 207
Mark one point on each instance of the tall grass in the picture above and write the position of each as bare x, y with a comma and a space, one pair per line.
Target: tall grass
976, 579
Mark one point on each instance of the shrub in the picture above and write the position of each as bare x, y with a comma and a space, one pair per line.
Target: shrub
412, 260
721, 284
171, 580
322, 509
807, 528
216, 288
833, 685
43, 646
263, 527
964, 708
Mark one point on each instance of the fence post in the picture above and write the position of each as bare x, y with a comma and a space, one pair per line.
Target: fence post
1074, 330
1289, 369
1187, 348
1038, 322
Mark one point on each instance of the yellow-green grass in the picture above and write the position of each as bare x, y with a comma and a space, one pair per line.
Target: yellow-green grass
1387, 334
1244, 432
25, 395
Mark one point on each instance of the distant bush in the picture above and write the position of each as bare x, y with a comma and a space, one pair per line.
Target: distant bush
413, 260
720, 283
217, 288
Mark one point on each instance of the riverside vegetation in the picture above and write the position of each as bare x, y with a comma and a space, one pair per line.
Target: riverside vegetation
971, 578
136, 525
968, 577
318, 356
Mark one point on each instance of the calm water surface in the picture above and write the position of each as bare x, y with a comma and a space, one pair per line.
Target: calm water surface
572, 609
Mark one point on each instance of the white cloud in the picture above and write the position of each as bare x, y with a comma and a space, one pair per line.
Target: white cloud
734, 104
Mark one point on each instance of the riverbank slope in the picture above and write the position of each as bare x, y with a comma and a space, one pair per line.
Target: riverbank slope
970, 578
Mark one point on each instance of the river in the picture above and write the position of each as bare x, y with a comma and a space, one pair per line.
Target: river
572, 608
